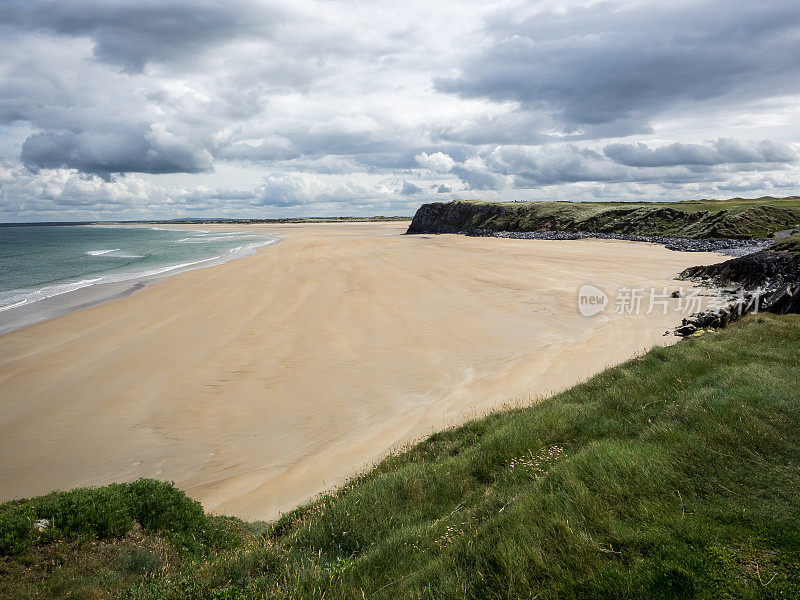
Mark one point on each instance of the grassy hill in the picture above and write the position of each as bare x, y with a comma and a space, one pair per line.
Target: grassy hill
735, 218
674, 475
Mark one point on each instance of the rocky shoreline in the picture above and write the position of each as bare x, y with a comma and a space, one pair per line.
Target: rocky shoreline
765, 281
729, 247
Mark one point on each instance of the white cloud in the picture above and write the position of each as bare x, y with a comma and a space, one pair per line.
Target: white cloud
438, 162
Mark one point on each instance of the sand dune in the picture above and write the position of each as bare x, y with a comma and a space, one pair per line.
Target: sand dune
256, 384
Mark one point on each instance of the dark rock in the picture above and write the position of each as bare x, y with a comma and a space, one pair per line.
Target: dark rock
766, 281
730, 247
784, 300
751, 271
708, 318
685, 329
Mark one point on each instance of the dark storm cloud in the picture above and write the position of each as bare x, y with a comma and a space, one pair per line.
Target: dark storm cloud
132, 33
542, 167
125, 149
723, 151
609, 63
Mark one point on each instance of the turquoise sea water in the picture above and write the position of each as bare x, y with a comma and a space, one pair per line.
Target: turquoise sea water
40, 262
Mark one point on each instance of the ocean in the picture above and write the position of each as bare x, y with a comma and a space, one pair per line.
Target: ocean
41, 265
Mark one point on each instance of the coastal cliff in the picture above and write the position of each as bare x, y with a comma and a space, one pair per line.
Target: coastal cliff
734, 219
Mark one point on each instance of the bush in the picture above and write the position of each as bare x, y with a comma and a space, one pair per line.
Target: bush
100, 512
16, 531
111, 512
160, 506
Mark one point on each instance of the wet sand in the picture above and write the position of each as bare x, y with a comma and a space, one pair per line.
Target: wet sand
256, 384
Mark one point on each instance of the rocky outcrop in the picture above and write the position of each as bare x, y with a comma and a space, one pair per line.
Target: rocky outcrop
765, 281
760, 269
453, 217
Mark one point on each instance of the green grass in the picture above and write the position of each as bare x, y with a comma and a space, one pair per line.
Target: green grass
736, 218
675, 475
789, 244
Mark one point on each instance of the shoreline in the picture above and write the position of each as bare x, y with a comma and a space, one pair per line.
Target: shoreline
51, 307
206, 379
15, 317
728, 246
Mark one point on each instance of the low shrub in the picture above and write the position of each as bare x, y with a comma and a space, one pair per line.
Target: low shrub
100, 512
16, 530
111, 512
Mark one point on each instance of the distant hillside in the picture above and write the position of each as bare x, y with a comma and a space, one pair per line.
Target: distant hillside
376, 218
707, 219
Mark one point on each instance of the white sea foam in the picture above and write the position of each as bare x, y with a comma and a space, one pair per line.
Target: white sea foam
199, 239
204, 239
22, 297
115, 253
169, 268
161, 228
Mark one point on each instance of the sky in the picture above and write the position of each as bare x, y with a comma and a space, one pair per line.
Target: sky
136, 109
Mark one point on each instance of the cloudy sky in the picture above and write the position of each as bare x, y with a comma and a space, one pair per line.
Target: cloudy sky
192, 108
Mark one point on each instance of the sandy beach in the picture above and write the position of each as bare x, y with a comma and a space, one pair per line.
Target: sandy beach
256, 384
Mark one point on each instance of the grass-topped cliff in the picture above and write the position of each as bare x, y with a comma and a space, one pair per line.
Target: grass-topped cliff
737, 218
674, 475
